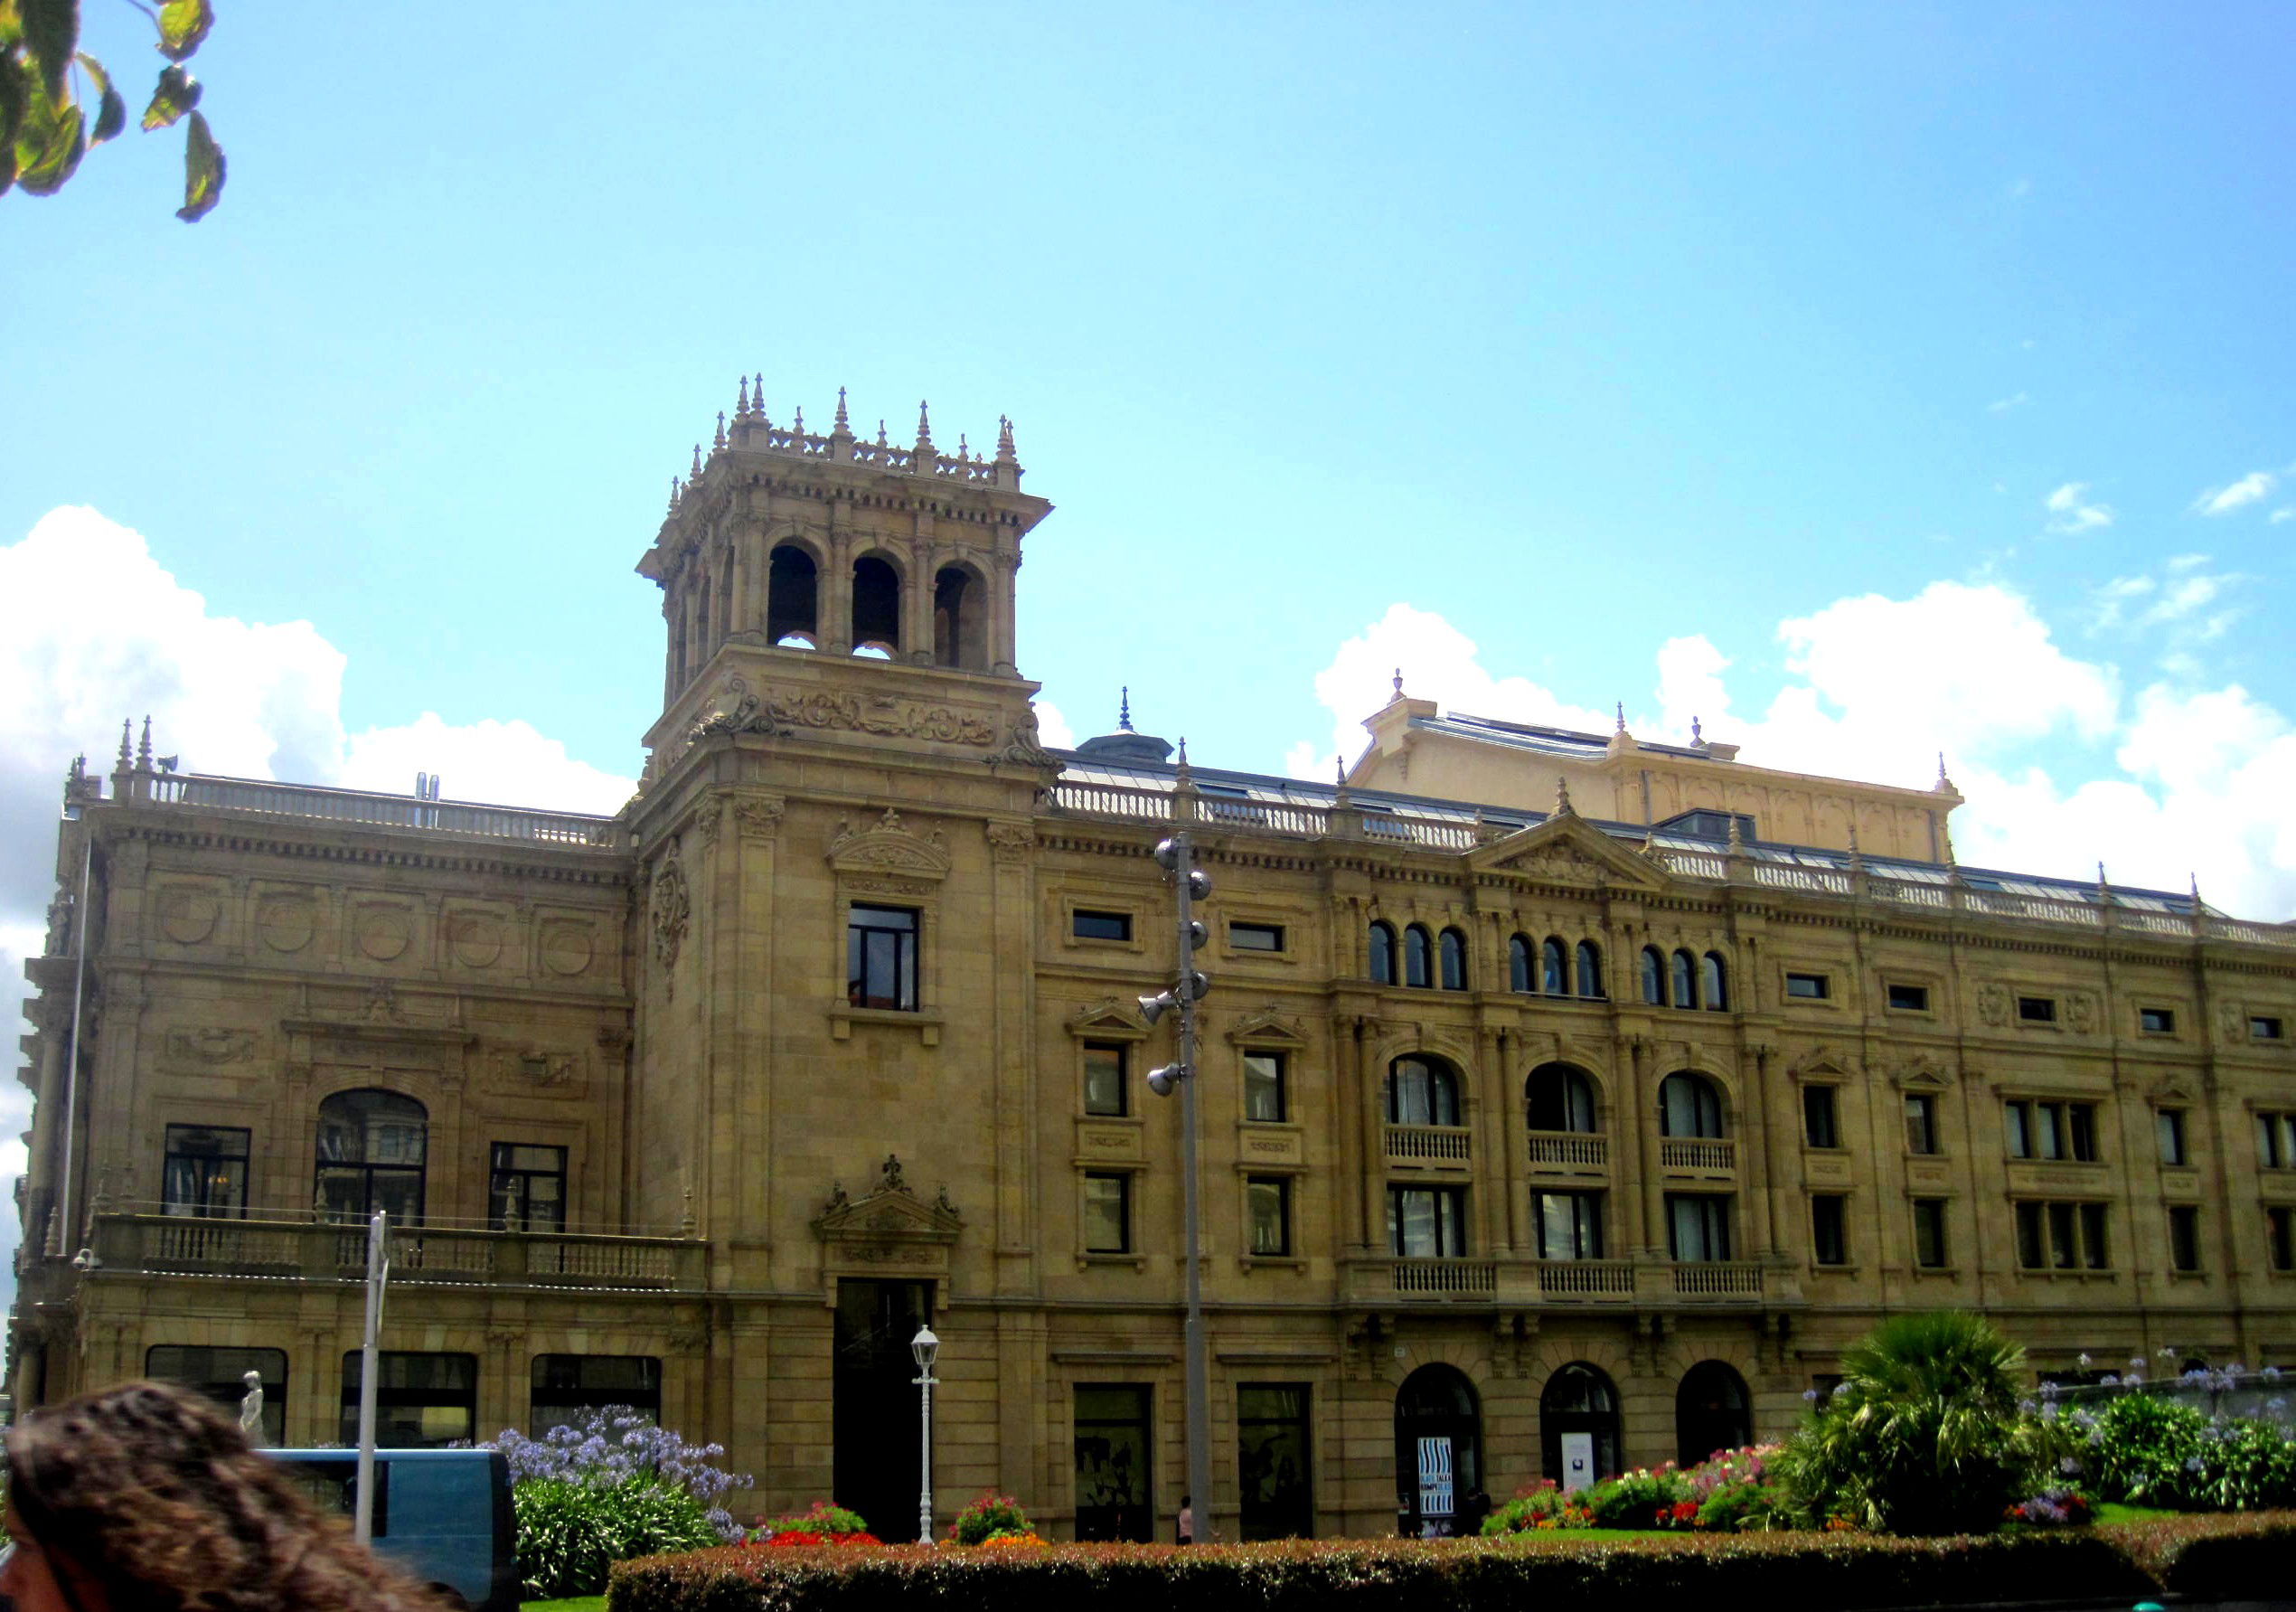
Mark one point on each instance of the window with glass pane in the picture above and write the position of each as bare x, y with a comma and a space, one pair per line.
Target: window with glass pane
1697, 1227
1268, 1198
2032, 1242
1264, 1087
2275, 1141
2080, 1131
2017, 1125
1418, 958
1716, 975
2184, 1236
1452, 952
1104, 1078
1653, 973
1929, 1233
1107, 1214
2280, 1236
2169, 1123
2094, 1252
1427, 1222
1821, 1126
1552, 979
880, 957
563, 1386
1686, 980
1272, 1461
1829, 1229
1518, 964
1559, 1098
1382, 955
1570, 1224
204, 1171
1689, 1105
1112, 1463
1421, 1091
1100, 926
528, 1189
1921, 1123
422, 1401
219, 1375
1590, 970
373, 1147
2065, 1248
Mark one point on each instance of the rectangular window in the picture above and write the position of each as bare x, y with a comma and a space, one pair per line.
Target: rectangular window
2037, 1009
422, 1401
1820, 1123
2275, 1141
1929, 1233
1810, 987
2157, 1021
2171, 1124
1256, 936
1085, 925
2032, 1244
2184, 1236
2262, 1029
1830, 1229
2280, 1236
2064, 1251
2051, 1130
526, 1191
1920, 1122
2017, 1125
563, 1386
1268, 1200
880, 957
1569, 1224
1104, 1086
1909, 999
1107, 1214
1697, 1227
219, 1375
1114, 1463
2092, 1248
2080, 1131
1264, 1087
2062, 1237
1271, 1457
1427, 1222
204, 1171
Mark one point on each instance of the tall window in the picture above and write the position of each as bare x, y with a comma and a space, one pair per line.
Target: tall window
1570, 1224
1717, 975
1590, 970
1454, 950
2051, 1130
1653, 967
1559, 1098
880, 957
1552, 978
1272, 1449
1830, 1229
1689, 1105
1686, 980
527, 1189
1382, 953
1427, 1222
2280, 1236
1920, 1122
563, 1386
372, 1150
1821, 1124
1697, 1227
1929, 1233
1422, 1091
1518, 964
1264, 1087
1104, 1078
791, 589
2184, 1236
2276, 1141
1418, 960
2169, 1123
422, 1401
204, 1172
2062, 1237
1267, 1200
1107, 1214
220, 1373
1113, 1464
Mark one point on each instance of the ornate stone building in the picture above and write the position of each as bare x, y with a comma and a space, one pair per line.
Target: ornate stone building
1537, 1138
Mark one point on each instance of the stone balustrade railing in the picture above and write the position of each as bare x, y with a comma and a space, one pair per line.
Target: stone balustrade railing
324, 1250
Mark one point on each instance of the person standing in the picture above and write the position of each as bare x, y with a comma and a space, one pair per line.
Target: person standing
1186, 1532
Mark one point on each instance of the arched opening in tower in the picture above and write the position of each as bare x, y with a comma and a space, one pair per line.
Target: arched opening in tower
957, 619
791, 599
877, 605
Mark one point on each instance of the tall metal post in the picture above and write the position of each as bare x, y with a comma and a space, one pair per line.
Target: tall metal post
925, 1381
378, 1273
1200, 1412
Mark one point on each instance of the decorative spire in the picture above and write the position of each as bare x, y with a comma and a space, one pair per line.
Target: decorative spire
964, 449
924, 428
144, 748
1944, 785
741, 403
1124, 710
1857, 859
697, 458
1339, 766
798, 426
1737, 839
127, 731
757, 398
2104, 885
1696, 736
1398, 682
1621, 716
1005, 451
720, 440
677, 493
880, 432
841, 427
1563, 808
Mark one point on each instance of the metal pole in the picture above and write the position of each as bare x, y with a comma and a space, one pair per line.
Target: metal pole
925, 1464
378, 1272
1200, 1413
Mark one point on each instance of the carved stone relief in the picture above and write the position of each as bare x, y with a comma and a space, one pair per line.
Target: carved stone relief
383, 932
188, 914
475, 938
210, 1046
285, 924
670, 906
568, 946
1993, 1005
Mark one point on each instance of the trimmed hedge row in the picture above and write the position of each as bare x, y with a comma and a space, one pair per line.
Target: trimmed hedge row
2233, 1556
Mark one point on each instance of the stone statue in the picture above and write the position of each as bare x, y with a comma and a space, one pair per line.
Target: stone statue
251, 1407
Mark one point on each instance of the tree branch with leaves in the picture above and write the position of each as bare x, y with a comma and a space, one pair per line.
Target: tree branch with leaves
45, 80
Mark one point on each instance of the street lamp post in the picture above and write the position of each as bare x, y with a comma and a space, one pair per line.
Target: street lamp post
925, 1346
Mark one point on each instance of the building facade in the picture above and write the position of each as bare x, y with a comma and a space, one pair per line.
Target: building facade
1566, 1100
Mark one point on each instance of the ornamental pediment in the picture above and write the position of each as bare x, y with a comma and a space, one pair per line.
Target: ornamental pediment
1822, 1062
1267, 1028
890, 1213
888, 845
1566, 849
1922, 1073
1107, 1016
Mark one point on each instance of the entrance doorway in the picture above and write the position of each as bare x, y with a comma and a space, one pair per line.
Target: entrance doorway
1271, 1457
873, 1403
1709, 1412
1438, 1451
1579, 1423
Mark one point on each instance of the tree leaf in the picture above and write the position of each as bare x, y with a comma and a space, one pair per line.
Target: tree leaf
11, 24
50, 34
177, 93
16, 79
203, 172
111, 117
182, 24
50, 139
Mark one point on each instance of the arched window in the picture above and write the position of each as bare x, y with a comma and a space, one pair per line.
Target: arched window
371, 1149
792, 594
1422, 1091
1519, 965
1453, 949
701, 620
1590, 969
1689, 1105
877, 605
726, 590
1579, 1423
1710, 1412
1717, 982
1437, 1424
1382, 953
958, 620
1418, 960
1686, 980
1558, 1097
1653, 976
1553, 978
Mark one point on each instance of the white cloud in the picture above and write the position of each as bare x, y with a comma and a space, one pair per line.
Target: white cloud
2280, 516
2181, 598
2256, 485
2003, 405
1053, 730
2070, 512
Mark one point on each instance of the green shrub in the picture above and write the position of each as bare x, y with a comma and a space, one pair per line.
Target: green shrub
987, 1517
1545, 1506
2152, 1451
825, 1517
571, 1531
2251, 1557
1647, 1498
1744, 1506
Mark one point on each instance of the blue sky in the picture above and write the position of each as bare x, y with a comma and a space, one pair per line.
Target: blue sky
1863, 379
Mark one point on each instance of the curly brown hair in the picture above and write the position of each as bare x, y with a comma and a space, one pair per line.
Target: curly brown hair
160, 1502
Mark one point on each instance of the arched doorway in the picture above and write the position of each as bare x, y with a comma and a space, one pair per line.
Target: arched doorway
1710, 1412
1438, 1450
1578, 1424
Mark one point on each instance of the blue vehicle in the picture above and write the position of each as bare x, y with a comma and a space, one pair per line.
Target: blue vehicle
443, 1515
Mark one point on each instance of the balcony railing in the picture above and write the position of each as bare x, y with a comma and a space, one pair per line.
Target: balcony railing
1574, 1151
1594, 1279
1710, 1155
1717, 1279
1444, 1278
326, 1252
1430, 1144
385, 811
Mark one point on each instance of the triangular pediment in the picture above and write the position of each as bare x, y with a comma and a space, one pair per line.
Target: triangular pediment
1922, 1073
888, 845
1267, 1028
1109, 1016
2176, 1088
1567, 849
1823, 1063
891, 1213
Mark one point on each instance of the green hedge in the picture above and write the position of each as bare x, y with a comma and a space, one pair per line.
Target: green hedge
1846, 1570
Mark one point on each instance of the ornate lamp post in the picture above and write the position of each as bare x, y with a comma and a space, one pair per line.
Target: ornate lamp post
925, 1346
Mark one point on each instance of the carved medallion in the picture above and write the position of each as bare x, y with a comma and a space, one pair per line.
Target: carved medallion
568, 948
383, 932
187, 917
477, 939
286, 923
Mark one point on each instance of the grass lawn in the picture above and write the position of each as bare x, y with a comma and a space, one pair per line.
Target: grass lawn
2108, 1511
573, 1603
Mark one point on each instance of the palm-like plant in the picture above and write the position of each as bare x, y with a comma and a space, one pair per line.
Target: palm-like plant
1925, 1434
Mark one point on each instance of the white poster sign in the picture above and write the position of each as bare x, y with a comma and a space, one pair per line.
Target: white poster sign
1578, 1461
1435, 1478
